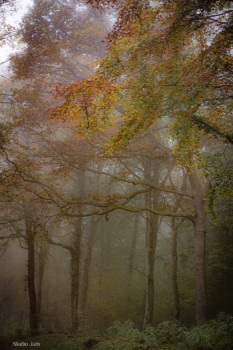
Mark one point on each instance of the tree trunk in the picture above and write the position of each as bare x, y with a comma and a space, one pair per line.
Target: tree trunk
33, 320
40, 269
174, 270
133, 244
87, 263
75, 272
76, 255
130, 290
200, 257
74, 251
199, 248
151, 200
151, 239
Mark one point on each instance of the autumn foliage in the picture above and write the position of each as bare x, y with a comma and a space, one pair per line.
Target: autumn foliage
169, 60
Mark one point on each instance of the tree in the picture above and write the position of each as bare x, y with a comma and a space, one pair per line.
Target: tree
54, 50
61, 40
159, 59
150, 82
151, 169
22, 223
165, 61
199, 247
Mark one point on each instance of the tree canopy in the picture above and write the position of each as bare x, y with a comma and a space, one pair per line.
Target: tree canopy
169, 59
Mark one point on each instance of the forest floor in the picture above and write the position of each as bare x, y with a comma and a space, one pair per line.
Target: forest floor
213, 335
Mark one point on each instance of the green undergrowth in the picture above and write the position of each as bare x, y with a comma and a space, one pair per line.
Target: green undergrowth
170, 335
214, 335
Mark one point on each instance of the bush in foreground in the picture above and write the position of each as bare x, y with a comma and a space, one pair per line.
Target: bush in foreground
170, 335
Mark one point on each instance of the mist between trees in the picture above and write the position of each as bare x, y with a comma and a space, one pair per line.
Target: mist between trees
116, 165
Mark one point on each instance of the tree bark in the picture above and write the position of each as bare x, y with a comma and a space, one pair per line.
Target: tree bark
199, 248
174, 270
87, 263
40, 269
200, 259
75, 275
76, 256
151, 240
151, 200
30, 238
133, 244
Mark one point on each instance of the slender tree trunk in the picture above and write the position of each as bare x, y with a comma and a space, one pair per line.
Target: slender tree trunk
174, 270
102, 264
131, 260
41, 258
151, 238
199, 248
74, 288
200, 259
76, 256
87, 263
88, 257
133, 244
75, 273
174, 228
74, 251
33, 320
151, 200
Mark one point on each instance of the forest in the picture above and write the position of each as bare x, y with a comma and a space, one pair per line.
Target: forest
116, 164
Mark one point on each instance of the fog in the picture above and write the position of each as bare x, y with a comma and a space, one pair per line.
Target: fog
115, 211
